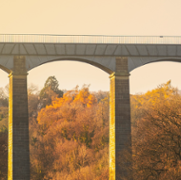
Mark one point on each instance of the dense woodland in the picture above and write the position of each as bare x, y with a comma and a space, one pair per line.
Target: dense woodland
69, 133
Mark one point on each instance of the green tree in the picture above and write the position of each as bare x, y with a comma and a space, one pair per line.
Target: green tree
50, 91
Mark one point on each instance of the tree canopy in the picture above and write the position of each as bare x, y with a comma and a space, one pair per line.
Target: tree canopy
156, 134
69, 135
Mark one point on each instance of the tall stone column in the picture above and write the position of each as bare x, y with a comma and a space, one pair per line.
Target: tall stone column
18, 137
120, 122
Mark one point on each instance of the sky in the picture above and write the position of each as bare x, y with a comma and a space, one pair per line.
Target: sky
95, 17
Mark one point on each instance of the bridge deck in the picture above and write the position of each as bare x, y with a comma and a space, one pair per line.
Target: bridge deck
131, 46
39, 49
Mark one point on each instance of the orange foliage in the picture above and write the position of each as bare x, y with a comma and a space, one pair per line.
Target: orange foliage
156, 132
71, 131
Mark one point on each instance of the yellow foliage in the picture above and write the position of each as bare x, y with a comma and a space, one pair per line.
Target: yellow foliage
162, 92
91, 100
156, 132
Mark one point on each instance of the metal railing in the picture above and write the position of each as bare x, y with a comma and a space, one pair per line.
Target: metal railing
43, 38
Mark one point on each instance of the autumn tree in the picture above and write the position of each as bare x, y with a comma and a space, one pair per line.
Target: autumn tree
3, 98
3, 134
3, 154
101, 95
156, 130
33, 101
71, 141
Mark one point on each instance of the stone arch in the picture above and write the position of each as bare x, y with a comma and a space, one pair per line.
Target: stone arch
91, 62
163, 60
141, 61
5, 69
119, 111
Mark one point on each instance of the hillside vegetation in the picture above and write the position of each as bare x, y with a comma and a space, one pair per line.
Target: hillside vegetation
69, 134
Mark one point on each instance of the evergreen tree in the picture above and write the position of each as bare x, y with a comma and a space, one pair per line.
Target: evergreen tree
49, 91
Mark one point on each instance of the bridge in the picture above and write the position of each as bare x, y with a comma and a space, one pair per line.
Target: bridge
116, 55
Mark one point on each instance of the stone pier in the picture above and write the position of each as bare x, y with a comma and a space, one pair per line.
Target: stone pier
18, 137
120, 122
99, 51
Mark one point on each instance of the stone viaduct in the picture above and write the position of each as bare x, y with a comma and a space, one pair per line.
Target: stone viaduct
117, 55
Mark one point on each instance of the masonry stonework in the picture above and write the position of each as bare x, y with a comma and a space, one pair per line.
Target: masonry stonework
120, 122
18, 137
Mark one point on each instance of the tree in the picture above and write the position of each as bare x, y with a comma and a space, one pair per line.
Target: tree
33, 101
3, 154
71, 138
156, 135
3, 98
3, 134
50, 91
51, 83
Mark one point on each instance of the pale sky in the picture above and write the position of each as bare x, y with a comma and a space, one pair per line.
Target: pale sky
95, 17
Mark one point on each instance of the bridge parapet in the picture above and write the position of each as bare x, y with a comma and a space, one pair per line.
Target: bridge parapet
98, 39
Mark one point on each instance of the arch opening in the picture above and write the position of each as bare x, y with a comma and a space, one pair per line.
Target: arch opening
70, 74
153, 61
93, 63
5, 69
86, 117
150, 75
